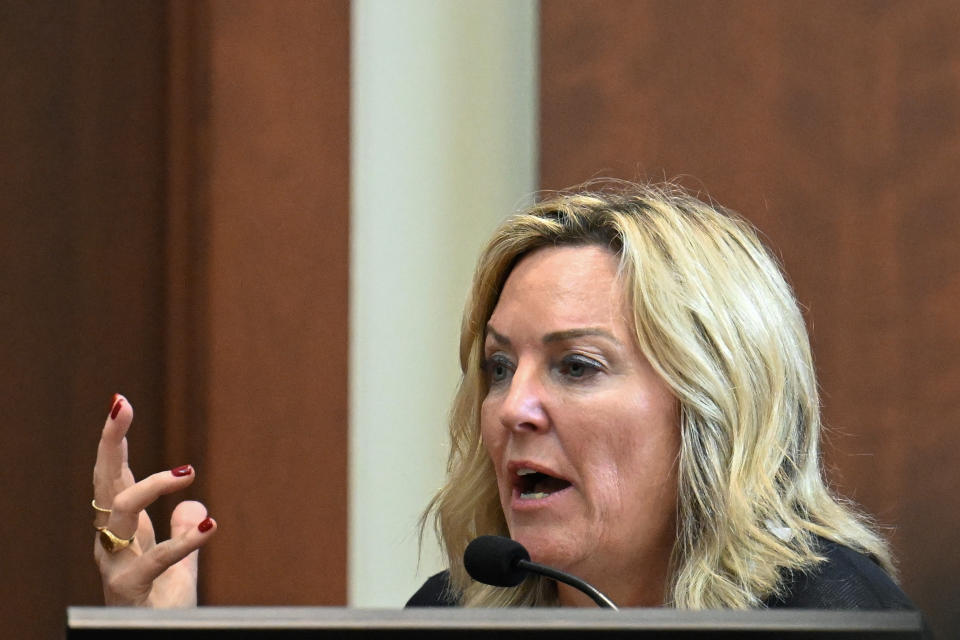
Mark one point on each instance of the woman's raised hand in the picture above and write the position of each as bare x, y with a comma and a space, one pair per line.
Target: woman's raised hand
134, 568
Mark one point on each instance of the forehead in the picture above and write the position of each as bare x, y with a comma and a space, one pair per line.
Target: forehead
573, 285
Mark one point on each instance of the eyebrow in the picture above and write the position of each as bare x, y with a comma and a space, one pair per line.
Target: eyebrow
559, 336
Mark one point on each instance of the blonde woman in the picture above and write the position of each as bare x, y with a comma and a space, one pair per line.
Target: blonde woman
638, 407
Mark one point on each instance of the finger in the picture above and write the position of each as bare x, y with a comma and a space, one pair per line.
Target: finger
108, 472
146, 537
128, 504
145, 540
170, 552
186, 516
137, 582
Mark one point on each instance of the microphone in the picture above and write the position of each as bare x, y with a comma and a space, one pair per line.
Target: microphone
502, 562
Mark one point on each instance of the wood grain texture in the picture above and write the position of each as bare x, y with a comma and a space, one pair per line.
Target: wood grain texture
186, 267
833, 127
81, 240
174, 180
277, 269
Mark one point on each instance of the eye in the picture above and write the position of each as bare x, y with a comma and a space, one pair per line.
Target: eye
497, 368
579, 366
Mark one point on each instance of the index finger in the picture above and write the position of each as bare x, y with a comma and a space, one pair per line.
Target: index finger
109, 470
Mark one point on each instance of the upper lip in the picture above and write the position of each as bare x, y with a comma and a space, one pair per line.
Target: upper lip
514, 466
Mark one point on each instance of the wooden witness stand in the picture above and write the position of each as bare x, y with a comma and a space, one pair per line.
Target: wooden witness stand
473, 624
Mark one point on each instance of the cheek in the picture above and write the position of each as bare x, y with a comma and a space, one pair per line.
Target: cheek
632, 452
486, 430
494, 441
491, 434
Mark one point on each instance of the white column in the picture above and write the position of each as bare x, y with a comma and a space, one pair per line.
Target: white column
444, 145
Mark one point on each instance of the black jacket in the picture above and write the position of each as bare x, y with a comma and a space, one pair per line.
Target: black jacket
847, 580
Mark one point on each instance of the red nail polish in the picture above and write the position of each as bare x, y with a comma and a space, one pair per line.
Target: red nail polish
185, 470
117, 404
205, 526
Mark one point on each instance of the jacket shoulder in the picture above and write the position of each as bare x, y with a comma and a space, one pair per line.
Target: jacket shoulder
845, 580
435, 592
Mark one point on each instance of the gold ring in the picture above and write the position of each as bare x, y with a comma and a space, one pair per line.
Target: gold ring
110, 541
93, 503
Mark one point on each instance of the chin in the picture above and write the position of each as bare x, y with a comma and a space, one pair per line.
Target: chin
548, 547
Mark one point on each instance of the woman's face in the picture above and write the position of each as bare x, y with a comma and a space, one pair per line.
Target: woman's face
582, 432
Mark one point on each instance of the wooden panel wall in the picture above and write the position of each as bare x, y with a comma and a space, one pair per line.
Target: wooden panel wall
173, 226
82, 237
834, 127
278, 259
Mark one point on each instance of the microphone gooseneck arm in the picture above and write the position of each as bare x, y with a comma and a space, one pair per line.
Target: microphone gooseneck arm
502, 562
575, 582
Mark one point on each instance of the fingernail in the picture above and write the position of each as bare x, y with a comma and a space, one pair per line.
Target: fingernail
206, 525
185, 470
117, 404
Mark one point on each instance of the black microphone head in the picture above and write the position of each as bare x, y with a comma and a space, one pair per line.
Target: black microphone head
493, 560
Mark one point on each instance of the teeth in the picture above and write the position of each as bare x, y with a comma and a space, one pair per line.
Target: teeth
533, 496
525, 471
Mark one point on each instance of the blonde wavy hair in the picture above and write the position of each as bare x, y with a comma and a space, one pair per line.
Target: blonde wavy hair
715, 317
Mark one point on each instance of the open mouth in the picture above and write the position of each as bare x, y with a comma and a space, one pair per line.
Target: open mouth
534, 485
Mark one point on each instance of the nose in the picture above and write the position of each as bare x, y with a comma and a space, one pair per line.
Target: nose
523, 408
